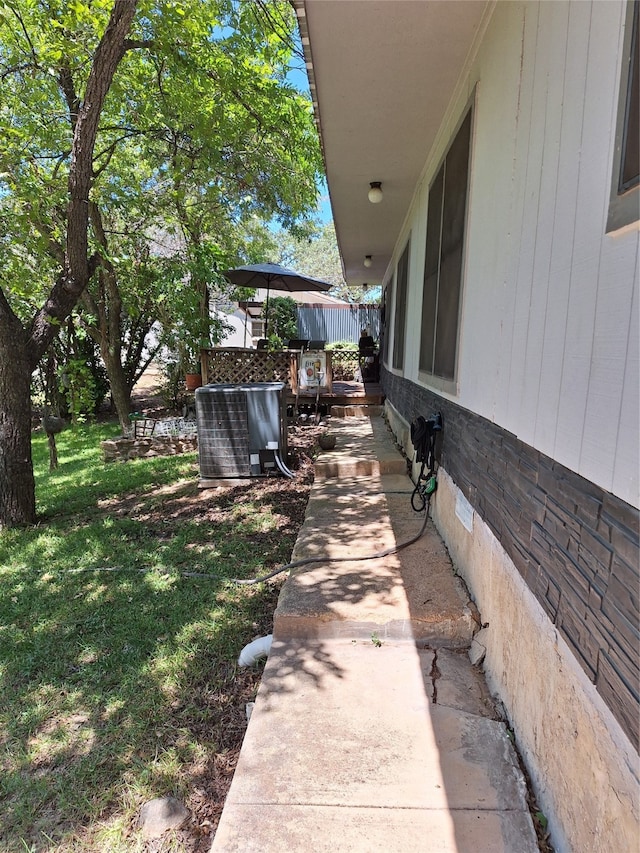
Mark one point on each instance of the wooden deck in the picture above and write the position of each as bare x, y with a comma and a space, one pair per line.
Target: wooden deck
342, 394
240, 365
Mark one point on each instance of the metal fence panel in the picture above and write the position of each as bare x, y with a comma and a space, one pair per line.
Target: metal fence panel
332, 323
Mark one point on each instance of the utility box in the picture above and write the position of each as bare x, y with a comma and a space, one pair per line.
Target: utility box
241, 429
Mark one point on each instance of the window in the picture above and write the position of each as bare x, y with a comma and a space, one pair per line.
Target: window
402, 275
384, 332
630, 165
444, 258
624, 206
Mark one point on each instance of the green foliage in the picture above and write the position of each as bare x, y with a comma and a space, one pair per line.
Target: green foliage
79, 389
542, 820
82, 377
89, 352
343, 346
173, 390
283, 319
115, 683
344, 359
201, 133
71, 378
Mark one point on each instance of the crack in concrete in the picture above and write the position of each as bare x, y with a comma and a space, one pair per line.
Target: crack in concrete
435, 675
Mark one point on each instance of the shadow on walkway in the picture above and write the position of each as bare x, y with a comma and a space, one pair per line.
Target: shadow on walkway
371, 730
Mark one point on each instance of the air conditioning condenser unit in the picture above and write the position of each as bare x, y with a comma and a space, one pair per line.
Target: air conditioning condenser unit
241, 429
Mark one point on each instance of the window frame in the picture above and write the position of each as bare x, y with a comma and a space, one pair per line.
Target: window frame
440, 382
624, 202
257, 327
401, 291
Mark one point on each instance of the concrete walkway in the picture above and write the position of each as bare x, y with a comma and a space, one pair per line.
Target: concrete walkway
371, 731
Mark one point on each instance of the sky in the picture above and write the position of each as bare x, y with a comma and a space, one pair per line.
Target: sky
297, 76
324, 207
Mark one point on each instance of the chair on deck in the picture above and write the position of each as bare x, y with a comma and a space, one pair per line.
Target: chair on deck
298, 344
367, 358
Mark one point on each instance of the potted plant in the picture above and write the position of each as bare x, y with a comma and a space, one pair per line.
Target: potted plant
193, 376
188, 356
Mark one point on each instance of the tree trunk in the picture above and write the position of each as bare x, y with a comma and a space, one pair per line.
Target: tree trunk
17, 483
53, 451
106, 305
19, 355
120, 390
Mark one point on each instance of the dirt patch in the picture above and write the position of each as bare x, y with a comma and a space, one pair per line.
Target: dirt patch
208, 782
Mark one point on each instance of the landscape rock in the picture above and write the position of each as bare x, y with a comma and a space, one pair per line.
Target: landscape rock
123, 449
478, 648
159, 815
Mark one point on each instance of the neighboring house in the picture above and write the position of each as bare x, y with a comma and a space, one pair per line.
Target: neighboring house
237, 336
505, 139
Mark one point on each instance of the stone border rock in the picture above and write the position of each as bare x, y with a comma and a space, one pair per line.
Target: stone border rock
124, 449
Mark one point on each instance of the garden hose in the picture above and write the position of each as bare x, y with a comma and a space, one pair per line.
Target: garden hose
306, 561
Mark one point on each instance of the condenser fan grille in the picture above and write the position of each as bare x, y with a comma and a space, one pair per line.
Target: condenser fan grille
223, 435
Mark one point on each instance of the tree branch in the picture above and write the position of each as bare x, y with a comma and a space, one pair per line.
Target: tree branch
65, 79
34, 55
77, 269
137, 44
15, 69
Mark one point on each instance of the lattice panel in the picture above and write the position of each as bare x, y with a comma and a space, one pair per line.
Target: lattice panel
238, 366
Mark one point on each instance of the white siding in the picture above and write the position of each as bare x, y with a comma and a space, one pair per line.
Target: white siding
625, 474
549, 328
538, 220
558, 199
560, 378
492, 261
601, 442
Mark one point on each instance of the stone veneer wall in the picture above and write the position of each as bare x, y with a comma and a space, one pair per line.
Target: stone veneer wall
575, 546
123, 449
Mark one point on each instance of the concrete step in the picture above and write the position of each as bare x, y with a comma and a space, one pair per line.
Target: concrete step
360, 506
357, 410
363, 449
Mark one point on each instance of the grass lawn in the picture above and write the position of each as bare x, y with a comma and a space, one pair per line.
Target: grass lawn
118, 676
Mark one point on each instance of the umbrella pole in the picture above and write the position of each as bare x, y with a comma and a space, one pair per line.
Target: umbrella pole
266, 315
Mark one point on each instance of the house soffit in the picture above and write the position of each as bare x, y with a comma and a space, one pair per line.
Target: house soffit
382, 74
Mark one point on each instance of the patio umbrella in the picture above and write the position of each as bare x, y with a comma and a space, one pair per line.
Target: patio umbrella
273, 277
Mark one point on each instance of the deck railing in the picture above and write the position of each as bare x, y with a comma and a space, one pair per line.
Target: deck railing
238, 365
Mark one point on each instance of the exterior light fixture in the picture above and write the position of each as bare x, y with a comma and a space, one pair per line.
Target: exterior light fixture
367, 260
375, 192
